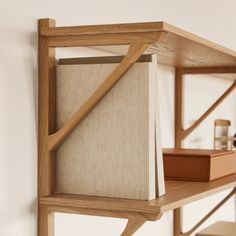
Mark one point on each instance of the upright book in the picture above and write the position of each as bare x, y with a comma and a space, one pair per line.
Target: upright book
114, 152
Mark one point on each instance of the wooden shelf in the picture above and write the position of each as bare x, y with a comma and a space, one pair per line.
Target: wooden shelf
178, 193
175, 47
188, 53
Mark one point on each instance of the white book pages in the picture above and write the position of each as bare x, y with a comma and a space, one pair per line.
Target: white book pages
160, 178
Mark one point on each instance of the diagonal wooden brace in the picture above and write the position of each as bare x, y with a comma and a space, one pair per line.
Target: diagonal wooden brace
180, 132
134, 52
178, 217
132, 226
188, 131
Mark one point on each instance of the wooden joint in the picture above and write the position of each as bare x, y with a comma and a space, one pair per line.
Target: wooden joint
45, 221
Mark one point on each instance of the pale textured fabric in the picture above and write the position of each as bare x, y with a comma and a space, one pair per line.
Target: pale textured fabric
112, 152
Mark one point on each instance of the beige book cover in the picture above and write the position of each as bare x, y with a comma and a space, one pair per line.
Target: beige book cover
112, 152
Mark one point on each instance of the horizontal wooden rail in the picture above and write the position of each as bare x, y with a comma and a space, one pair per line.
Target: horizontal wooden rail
102, 29
103, 39
103, 212
186, 132
209, 70
134, 52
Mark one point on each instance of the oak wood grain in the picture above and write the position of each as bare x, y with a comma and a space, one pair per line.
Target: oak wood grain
104, 213
46, 125
177, 47
179, 107
103, 39
45, 221
187, 192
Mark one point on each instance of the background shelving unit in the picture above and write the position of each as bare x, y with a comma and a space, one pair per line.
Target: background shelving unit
188, 53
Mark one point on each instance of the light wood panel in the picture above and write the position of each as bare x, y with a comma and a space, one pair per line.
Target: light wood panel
103, 29
179, 51
176, 48
46, 125
178, 221
187, 192
133, 28
45, 221
47, 71
103, 39
104, 213
179, 107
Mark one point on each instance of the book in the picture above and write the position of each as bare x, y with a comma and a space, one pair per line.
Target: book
113, 151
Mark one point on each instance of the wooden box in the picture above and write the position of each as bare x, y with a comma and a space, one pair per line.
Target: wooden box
198, 165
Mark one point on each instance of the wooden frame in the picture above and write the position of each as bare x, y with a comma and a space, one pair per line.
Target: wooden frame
194, 56
181, 133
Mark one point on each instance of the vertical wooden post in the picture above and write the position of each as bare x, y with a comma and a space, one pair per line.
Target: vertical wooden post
45, 222
46, 101
179, 109
178, 224
179, 116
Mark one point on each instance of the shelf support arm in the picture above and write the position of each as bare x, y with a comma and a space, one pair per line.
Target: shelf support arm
178, 217
188, 131
132, 226
180, 132
134, 52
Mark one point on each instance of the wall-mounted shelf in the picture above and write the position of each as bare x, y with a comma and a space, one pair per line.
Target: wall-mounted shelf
178, 193
188, 53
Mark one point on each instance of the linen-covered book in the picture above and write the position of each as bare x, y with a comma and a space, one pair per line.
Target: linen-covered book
115, 151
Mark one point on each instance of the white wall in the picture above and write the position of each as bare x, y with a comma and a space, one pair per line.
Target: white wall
211, 19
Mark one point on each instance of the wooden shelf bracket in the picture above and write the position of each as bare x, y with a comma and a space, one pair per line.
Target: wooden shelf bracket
134, 52
181, 133
178, 216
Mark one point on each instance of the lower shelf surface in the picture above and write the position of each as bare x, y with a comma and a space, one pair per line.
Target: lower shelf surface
178, 194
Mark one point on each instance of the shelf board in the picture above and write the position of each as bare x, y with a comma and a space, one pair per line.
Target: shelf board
175, 47
178, 193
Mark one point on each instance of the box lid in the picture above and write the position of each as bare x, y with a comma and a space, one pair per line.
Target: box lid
196, 152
